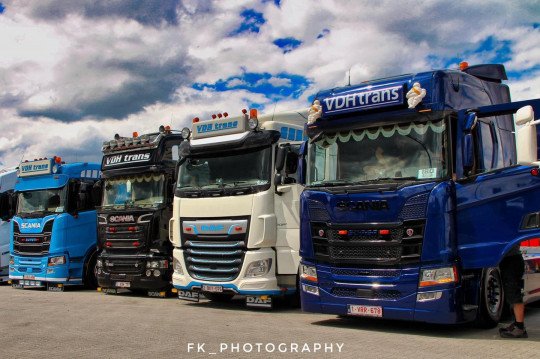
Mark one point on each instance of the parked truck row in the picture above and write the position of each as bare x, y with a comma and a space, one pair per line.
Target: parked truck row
395, 198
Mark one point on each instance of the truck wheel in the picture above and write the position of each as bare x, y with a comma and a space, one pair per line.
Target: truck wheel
90, 272
491, 299
219, 297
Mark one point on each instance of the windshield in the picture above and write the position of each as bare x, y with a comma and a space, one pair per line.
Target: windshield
241, 169
45, 200
140, 190
413, 151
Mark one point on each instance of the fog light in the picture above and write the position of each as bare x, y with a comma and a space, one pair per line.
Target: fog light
148, 273
424, 297
308, 273
99, 263
50, 270
157, 273
258, 268
11, 260
311, 289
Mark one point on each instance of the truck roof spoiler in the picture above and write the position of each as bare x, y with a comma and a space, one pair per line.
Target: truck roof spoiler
488, 72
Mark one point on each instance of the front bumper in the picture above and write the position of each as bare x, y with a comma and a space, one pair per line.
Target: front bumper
252, 286
137, 280
333, 296
33, 268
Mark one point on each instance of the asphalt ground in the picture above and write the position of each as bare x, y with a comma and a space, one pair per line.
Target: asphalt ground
87, 324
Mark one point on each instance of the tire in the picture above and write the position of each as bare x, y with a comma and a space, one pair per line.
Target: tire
491, 299
219, 297
90, 275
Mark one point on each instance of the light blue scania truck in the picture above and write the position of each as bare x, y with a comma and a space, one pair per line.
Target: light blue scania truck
54, 227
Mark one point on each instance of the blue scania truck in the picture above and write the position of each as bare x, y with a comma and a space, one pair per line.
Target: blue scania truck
415, 193
7, 184
54, 229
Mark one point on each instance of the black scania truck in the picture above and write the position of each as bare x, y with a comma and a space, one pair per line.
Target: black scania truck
138, 175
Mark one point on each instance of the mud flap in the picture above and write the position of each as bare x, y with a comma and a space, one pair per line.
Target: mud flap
262, 301
188, 295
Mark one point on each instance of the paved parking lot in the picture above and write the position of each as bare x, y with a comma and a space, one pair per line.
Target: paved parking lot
88, 324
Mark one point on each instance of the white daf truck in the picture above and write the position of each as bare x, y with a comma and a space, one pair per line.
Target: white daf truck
235, 224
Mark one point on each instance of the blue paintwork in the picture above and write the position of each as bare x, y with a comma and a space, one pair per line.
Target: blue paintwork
196, 284
72, 236
470, 222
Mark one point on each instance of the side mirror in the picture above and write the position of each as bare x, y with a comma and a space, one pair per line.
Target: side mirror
291, 163
470, 122
280, 158
468, 153
73, 198
5, 206
97, 193
526, 136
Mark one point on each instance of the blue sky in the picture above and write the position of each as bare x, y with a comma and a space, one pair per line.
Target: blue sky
74, 73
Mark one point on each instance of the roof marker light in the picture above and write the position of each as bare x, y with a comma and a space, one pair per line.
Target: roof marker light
253, 113
225, 114
219, 115
195, 120
167, 128
535, 172
463, 65
244, 111
58, 159
135, 134
214, 117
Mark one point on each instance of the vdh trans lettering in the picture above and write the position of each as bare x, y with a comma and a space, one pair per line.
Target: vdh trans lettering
117, 159
212, 227
364, 99
315, 348
121, 219
34, 168
30, 225
211, 127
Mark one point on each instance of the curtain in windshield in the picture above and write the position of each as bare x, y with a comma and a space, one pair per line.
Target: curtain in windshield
413, 151
145, 190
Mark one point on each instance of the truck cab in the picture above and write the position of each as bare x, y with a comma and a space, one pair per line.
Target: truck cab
235, 219
8, 177
137, 190
415, 192
53, 231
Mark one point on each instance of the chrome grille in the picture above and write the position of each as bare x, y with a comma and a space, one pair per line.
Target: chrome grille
214, 248
385, 294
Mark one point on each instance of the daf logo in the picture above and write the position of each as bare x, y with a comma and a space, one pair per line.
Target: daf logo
409, 232
30, 225
212, 227
373, 205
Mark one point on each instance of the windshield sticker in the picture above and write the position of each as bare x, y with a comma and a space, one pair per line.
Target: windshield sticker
426, 173
59, 209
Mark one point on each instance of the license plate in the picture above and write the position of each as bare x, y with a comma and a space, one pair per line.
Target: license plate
28, 276
123, 284
365, 310
212, 288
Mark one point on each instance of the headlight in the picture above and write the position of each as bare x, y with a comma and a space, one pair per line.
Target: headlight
99, 263
437, 276
177, 266
157, 264
308, 273
54, 168
258, 268
55, 261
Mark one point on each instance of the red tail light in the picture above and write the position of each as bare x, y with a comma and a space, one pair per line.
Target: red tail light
136, 244
238, 228
133, 229
108, 244
535, 242
111, 229
384, 232
343, 232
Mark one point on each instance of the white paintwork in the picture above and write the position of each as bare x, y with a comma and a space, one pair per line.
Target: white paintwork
526, 143
274, 226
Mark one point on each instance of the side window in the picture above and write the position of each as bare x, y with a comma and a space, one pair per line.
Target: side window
486, 146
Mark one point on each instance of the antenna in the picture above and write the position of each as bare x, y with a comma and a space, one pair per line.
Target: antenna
349, 76
24, 152
273, 113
